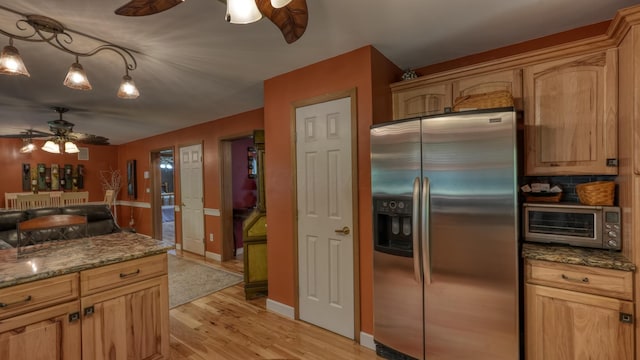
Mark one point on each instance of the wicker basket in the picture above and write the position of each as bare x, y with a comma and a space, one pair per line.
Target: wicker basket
494, 99
596, 193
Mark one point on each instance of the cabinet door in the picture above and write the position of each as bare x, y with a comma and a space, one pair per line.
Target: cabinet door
44, 334
571, 115
568, 325
421, 100
131, 322
510, 80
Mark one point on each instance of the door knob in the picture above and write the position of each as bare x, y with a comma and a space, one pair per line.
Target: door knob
344, 231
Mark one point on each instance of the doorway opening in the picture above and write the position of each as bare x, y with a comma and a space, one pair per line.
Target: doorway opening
239, 194
163, 195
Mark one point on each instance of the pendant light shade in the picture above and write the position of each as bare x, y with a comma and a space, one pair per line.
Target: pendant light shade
242, 11
51, 146
11, 63
279, 3
70, 148
128, 89
77, 78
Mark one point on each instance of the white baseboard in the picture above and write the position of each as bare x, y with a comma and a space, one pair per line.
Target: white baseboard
213, 256
366, 340
281, 309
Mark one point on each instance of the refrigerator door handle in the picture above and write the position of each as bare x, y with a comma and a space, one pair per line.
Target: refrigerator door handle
415, 229
426, 245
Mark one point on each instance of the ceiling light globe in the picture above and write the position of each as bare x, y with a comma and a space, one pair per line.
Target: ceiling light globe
279, 3
11, 63
70, 148
51, 147
128, 89
242, 11
77, 78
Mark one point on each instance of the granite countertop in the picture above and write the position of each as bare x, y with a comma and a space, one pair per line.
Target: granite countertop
75, 255
607, 259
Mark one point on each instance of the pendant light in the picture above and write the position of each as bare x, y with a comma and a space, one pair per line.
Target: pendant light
128, 89
279, 3
242, 11
76, 77
10, 61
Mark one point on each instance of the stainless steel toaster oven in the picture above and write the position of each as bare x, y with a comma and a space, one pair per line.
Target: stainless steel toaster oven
573, 224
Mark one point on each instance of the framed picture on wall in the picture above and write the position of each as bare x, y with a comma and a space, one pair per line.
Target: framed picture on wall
131, 179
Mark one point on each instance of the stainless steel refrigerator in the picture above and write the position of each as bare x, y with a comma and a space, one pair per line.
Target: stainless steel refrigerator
445, 260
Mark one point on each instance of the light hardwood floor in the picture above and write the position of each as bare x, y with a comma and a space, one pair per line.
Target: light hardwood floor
224, 325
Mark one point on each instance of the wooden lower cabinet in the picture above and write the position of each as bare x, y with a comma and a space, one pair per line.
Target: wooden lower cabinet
44, 334
121, 312
129, 322
573, 313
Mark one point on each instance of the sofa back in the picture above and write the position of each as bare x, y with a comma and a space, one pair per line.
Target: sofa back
99, 220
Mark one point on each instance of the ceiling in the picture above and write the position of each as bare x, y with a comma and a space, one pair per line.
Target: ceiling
193, 67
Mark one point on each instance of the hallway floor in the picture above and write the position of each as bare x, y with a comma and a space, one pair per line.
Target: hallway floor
224, 325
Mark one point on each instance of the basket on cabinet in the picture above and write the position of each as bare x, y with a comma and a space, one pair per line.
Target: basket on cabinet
596, 193
493, 99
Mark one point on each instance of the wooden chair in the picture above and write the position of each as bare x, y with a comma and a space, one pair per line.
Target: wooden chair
74, 198
32, 201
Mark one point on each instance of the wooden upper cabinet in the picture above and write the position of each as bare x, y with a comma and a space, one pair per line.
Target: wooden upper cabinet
420, 97
421, 100
510, 80
571, 115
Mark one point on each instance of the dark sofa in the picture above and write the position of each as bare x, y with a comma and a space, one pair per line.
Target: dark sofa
99, 220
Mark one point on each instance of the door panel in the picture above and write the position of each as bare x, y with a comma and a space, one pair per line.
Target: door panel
192, 199
324, 185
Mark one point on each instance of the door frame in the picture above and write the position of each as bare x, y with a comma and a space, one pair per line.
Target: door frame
352, 94
226, 194
156, 201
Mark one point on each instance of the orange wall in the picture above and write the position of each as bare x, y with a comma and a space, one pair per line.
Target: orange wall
209, 135
100, 158
370, 73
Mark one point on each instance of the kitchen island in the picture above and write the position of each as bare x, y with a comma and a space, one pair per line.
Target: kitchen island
578, 303
91, 298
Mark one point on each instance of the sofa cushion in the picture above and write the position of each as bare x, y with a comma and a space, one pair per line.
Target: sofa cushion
9, 219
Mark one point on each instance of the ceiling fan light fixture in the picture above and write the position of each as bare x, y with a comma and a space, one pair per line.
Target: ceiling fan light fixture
28, 146
242, 12
51, 147
77, 78
11, 62
70, 148
128, 89
279, 3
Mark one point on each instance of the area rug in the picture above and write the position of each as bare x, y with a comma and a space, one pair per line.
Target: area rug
189, 280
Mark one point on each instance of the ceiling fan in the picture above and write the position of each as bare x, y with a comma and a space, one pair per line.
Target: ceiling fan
291, 18
60, 129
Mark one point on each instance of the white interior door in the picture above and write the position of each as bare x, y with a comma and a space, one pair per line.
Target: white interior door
192, 199
324, 192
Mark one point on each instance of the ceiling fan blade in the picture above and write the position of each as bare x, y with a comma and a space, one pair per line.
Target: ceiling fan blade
89, 139
146, 7
291, 19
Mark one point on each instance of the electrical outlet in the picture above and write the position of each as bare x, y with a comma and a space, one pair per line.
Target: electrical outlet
210, 236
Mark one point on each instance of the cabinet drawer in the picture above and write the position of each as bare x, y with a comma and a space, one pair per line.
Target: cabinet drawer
36, 295
592, 280
127, 272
